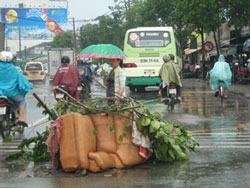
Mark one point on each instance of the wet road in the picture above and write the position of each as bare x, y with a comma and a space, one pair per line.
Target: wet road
222, 160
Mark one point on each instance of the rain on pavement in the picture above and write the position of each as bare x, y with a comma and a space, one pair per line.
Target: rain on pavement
222, 160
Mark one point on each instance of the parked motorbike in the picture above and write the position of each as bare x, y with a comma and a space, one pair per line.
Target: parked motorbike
170, 95
8, 116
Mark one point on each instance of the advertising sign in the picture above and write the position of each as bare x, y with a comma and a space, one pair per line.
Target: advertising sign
33, 24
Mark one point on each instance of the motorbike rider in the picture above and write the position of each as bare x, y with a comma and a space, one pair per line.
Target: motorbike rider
170, 73
85, 75
220, 72
13, 84
67, 75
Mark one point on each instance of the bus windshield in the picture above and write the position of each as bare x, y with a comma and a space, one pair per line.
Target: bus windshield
143, 39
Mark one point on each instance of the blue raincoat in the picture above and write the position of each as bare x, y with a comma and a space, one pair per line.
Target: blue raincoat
221, 71
12, 82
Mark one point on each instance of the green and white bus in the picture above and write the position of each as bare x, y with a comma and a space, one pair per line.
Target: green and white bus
144, 48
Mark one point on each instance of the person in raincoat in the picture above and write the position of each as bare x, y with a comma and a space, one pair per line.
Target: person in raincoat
67, 75
220, 72
13, 84
170, 72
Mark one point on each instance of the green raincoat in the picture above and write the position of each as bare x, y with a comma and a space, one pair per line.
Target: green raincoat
221, 71
170, 72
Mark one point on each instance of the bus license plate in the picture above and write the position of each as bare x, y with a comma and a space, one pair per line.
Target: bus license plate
59, 96
172, 91
149, 72
3, 110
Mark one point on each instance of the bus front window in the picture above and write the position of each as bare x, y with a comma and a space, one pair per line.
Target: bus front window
145, 39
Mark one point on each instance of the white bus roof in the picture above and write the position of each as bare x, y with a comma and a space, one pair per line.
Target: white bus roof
151, 29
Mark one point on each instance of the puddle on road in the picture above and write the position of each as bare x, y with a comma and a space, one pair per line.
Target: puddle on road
201, 111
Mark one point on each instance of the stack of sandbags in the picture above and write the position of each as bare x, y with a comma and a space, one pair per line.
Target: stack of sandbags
106, 145
114, 142
76, 141
98, 142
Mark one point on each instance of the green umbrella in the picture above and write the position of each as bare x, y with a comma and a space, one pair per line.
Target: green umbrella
108, 51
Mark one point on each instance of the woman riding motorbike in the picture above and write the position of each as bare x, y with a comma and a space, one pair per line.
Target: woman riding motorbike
13, 84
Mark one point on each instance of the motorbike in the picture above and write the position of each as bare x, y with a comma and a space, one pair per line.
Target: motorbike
8, 116
170, 95
221, 91
61, 92
83, 92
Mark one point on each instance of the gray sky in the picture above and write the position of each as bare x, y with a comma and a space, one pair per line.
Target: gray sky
82, 9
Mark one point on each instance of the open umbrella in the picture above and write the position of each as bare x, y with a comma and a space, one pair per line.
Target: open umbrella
108, 51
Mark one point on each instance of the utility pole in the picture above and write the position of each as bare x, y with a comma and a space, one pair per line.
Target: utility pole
219, 39
74, 34
2, 35
203, 52
25, 52
20, 43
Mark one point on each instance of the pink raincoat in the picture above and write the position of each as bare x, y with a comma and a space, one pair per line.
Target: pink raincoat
67, 75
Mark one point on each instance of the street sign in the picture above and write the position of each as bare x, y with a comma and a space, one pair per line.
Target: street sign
208, 46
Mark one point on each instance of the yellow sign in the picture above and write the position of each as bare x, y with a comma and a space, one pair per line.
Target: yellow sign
11, 16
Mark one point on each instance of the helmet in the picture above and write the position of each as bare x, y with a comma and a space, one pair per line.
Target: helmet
171, 56
89, 61
6, 56
166, 58
65, 59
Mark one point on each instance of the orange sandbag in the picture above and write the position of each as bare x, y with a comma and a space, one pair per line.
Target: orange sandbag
105, 132
123, 128
68, 151
129, 154
93, 167
77, 140
103, 160
85, 138
118, 163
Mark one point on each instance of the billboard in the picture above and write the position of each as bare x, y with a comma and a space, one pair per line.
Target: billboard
33, 23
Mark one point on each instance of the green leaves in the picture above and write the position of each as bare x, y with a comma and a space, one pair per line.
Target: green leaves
34, 149
145, 122
169, 142
154, 126
123, 137
111, 128
94, 132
